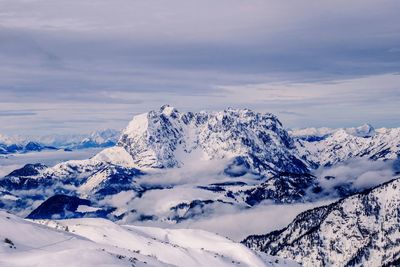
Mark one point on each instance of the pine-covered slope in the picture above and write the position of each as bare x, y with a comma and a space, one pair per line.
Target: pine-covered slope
360, 230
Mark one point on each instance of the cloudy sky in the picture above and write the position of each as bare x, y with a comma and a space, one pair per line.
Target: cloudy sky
76, 66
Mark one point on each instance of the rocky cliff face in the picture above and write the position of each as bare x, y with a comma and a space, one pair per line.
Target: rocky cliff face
163, 138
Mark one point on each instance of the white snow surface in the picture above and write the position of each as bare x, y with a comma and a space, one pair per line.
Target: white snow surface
84, 168
99, 242
115, 155
24, 243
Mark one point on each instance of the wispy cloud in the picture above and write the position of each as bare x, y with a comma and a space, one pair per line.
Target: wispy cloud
16, 113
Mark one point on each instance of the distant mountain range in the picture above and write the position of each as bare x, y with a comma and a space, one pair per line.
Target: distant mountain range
20, 144
169, 166
326, 147
30, 146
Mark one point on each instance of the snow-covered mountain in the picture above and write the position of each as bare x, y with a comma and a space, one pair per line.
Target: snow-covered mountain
25, 144
360, 230
170, 166
317, 134
224, 156
193, 164
98, 242
326, 147
164, 139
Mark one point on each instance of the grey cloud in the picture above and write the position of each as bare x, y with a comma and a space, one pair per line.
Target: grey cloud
16, 113
129, 55
291, 113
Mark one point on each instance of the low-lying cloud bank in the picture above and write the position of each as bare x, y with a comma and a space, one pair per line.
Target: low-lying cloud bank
359, 174
237, 224
180, 185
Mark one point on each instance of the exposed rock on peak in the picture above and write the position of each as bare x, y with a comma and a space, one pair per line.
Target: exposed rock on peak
161, 139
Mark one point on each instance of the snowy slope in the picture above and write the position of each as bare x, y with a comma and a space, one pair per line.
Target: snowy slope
98, 242
176, 247
83, 168
362, 230
23, 243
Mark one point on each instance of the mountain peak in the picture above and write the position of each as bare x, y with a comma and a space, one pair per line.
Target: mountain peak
161, 139
365, 130
168, 110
